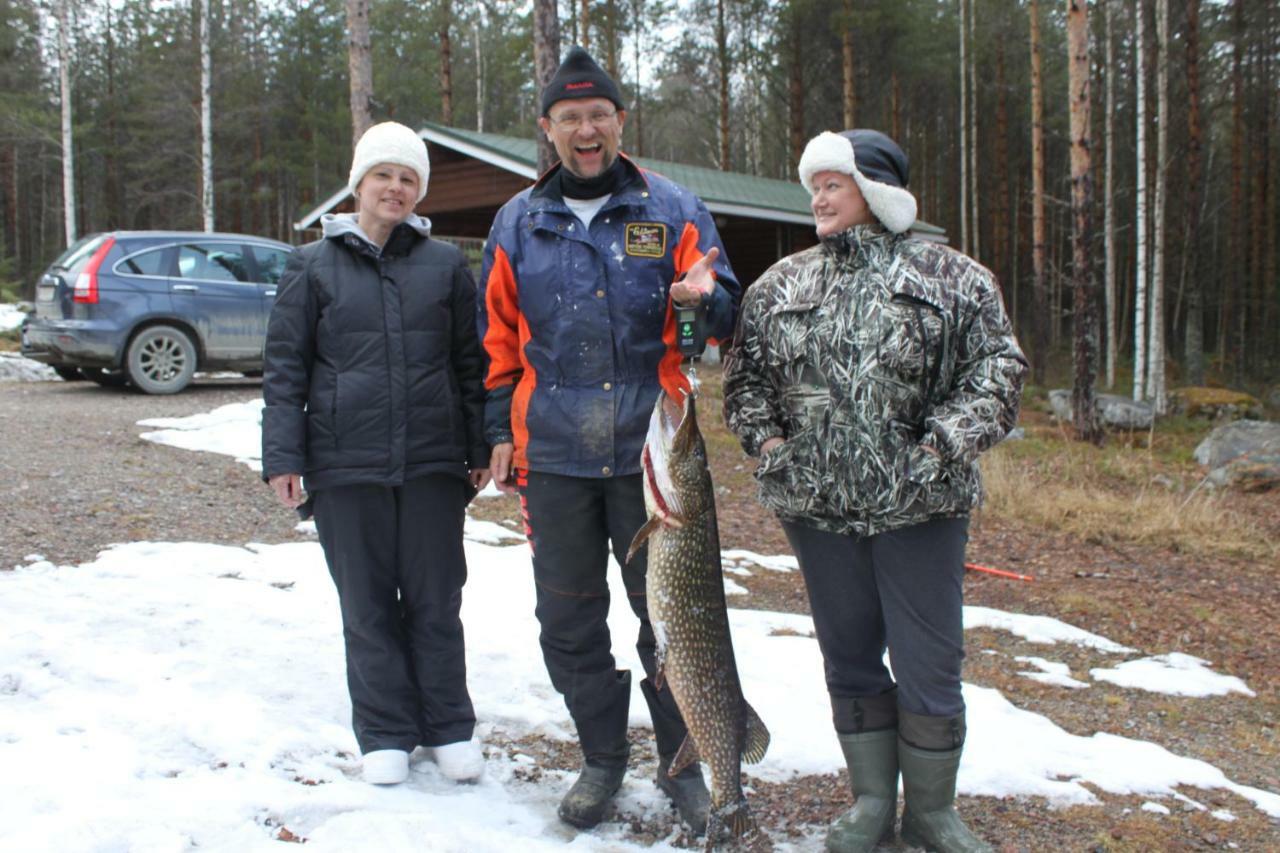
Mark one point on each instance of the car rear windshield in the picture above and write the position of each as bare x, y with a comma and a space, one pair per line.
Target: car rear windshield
79, 252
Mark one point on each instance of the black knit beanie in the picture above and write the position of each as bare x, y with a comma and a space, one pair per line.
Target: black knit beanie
579, 76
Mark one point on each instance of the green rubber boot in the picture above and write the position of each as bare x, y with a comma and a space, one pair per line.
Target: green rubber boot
929, 819
872, 758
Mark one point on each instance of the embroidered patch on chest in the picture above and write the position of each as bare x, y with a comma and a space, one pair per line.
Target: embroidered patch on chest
646, 239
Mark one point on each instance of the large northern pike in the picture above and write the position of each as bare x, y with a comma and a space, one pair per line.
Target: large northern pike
685, 591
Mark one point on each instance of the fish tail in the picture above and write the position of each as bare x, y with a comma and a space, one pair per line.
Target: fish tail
733, 820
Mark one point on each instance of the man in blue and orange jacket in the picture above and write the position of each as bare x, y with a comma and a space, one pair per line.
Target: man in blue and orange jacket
580, 275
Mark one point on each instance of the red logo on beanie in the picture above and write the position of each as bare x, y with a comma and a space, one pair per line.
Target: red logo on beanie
587, 85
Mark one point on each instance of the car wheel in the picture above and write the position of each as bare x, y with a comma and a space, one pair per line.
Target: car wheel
161, 360
68, 374
105, 378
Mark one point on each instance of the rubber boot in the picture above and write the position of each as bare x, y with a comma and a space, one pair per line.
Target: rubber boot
929, 751
688, 791
868, 734
586, 801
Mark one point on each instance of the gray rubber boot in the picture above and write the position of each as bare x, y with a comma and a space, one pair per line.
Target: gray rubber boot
929, 819
586, 801
688, 791
867, 727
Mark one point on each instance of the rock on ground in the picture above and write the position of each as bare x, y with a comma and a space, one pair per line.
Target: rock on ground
1114, 410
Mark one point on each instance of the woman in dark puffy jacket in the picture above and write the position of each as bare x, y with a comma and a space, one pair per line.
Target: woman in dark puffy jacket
374, 400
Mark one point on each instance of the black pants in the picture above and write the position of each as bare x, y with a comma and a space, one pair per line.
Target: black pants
571, 522
902, 590
395, 554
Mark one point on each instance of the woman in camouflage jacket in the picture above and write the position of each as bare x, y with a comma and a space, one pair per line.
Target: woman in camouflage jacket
868, 373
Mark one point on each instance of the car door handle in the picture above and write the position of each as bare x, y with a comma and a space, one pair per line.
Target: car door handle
187, 288
269, 293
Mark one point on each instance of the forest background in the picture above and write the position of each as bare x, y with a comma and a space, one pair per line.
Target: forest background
1180, 235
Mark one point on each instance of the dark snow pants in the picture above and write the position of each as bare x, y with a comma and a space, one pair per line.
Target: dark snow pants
571, 522
395, 554
901, 589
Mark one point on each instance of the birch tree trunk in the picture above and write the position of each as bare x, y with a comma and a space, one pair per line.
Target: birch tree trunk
360, 67
68, 149
1108, 201
446, 64
1140, 214
1155, 362
1193, 345
1084, 413
850, 80
964, 129
206, 118
722, 56
1039, 289
546, 59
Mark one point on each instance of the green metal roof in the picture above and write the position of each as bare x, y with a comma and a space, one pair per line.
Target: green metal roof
723, 192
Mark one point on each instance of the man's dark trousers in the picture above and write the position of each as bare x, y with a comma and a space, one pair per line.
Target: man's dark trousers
572, 521
395, 554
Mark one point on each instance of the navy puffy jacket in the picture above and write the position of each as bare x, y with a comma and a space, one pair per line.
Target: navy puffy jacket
373, 368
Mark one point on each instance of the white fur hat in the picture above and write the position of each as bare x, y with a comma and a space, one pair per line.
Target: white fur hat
390, 142
878, 167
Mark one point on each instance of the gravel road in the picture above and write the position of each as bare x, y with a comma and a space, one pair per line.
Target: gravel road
76, 476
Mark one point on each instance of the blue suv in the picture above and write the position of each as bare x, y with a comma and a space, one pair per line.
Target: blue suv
149, 308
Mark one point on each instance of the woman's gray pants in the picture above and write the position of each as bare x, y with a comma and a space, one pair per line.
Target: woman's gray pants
395, 554
900, 590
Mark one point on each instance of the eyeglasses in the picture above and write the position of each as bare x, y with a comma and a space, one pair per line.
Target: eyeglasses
573, 121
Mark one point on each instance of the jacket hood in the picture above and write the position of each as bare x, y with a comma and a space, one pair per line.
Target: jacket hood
341, 224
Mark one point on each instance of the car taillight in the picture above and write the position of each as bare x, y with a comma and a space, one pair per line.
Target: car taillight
86, 289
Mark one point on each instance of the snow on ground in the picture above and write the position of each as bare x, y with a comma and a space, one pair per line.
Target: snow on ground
15, 368
1037, 629
10, 317
172, 695
1175, 673
1050, 672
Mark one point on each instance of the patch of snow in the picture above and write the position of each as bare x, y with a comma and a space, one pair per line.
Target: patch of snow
1050, 672
778, 563
1037, 629
15, 368
10, 317
1175, 673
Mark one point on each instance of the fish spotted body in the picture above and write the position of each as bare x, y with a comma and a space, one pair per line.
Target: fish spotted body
685, 591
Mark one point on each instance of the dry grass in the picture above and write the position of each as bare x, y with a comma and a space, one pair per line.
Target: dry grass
1120, 494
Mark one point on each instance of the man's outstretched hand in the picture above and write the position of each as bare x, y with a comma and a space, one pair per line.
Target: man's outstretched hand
697, 281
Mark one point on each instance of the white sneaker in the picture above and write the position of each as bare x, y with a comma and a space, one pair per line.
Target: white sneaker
385, 766
460, 761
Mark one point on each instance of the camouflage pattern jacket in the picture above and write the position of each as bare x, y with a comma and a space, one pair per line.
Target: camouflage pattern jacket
861, 352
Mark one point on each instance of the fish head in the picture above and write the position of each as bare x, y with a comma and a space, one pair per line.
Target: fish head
677, 483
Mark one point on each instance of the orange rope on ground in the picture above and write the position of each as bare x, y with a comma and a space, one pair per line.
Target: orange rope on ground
1000, 573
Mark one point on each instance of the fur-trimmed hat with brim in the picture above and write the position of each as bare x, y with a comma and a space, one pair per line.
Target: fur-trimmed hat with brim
580, 76
390, 142
878, 166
